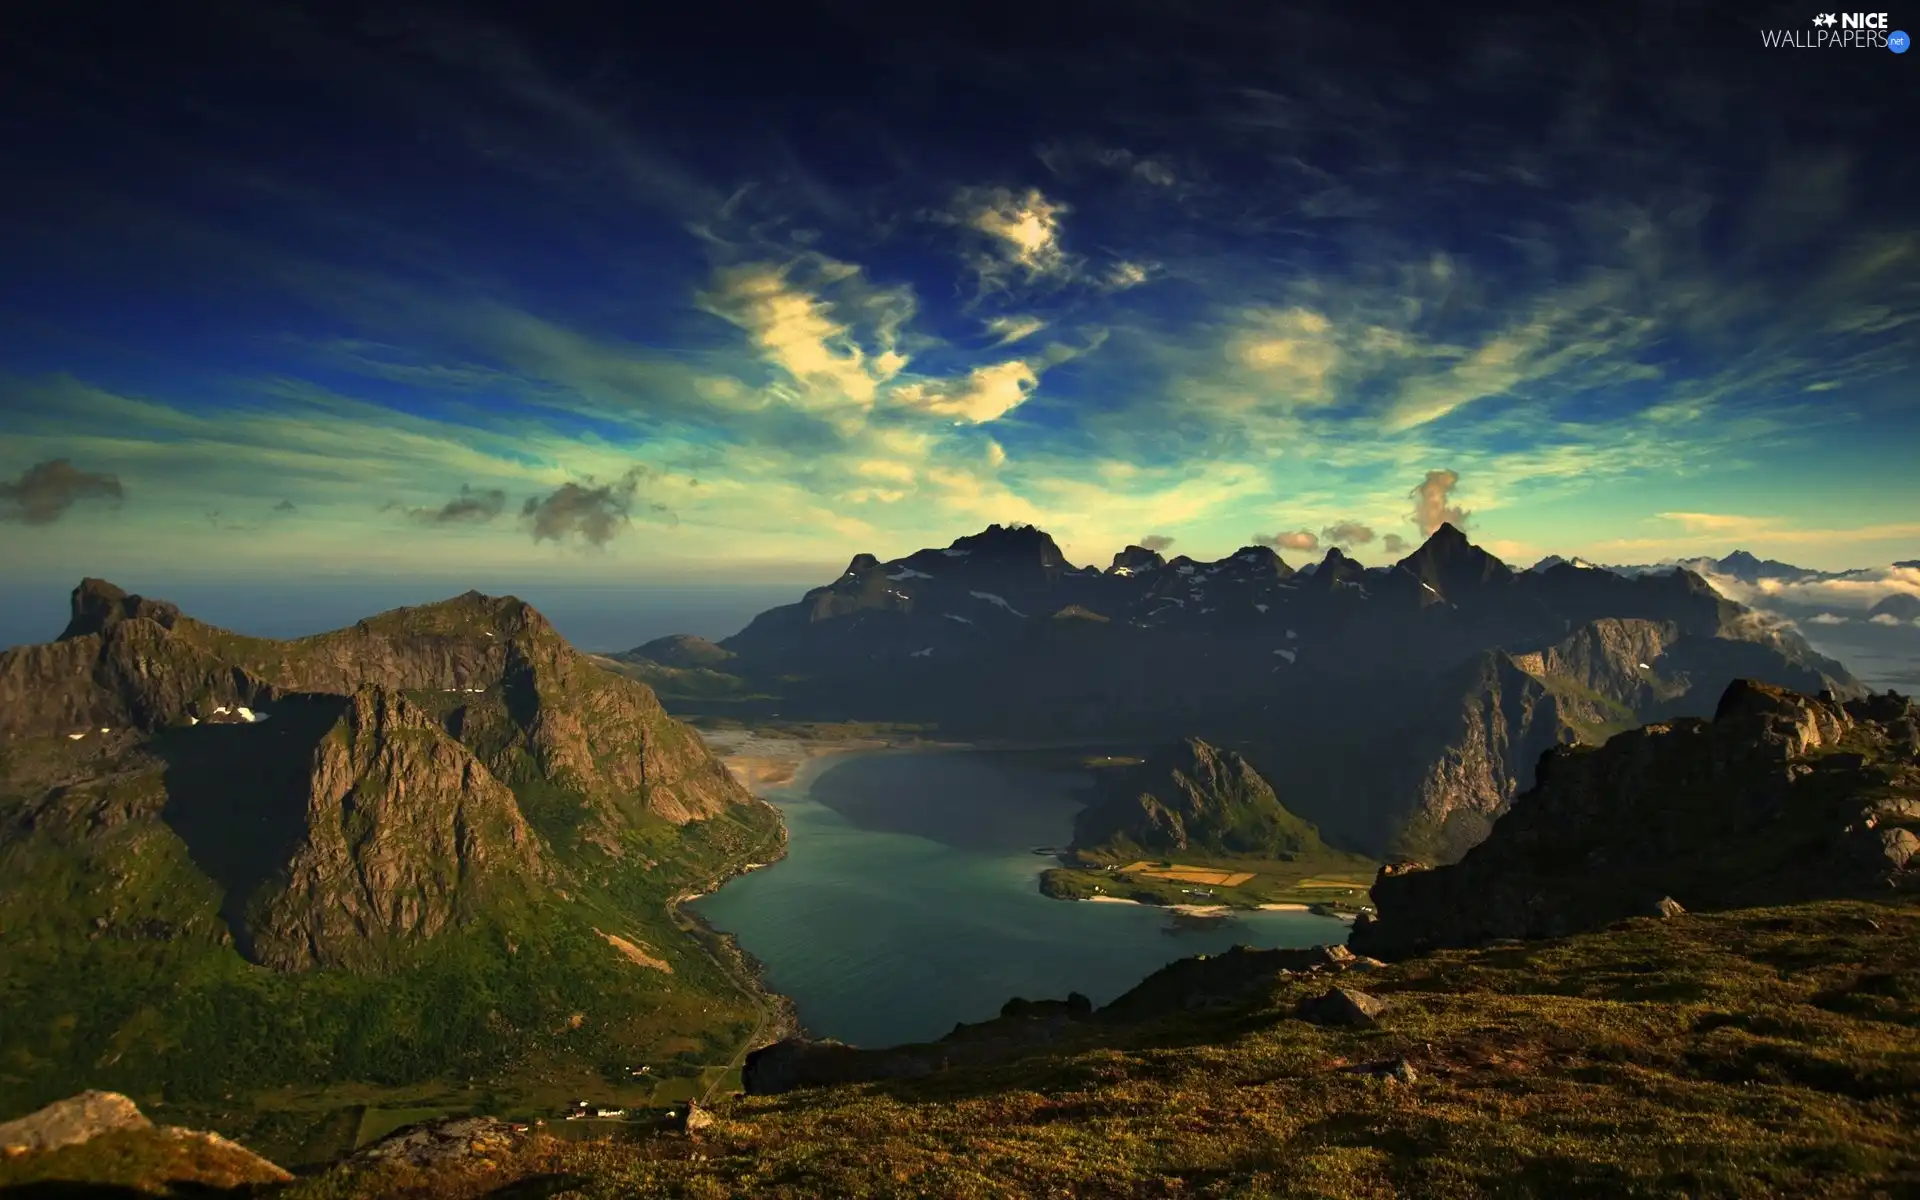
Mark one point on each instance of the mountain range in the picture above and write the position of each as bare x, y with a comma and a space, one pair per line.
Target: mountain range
1404, 705
437, 840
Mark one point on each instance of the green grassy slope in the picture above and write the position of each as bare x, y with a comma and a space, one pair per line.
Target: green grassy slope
1765, 1052
118, 971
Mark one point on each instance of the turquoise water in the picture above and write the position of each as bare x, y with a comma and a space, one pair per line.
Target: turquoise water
908, 900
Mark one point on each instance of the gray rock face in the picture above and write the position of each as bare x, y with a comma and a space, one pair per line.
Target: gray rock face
406, 831
190, 1156
1893, 847
434, 1143
1343, 1007
72, 1121
1762, 805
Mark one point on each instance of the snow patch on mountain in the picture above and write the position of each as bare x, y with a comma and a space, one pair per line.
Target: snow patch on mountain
908, 573
999, 601
959, 618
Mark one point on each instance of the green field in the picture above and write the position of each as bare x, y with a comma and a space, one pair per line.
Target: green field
1333, 880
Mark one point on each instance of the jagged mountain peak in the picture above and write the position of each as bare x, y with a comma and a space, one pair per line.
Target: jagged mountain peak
1136, 559
98, 604
1012, 541
1448, 562
1259, 556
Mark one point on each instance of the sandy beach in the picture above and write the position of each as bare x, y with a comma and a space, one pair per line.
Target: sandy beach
1199, 910
761, 761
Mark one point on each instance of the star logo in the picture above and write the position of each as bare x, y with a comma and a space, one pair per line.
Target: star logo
1827, 19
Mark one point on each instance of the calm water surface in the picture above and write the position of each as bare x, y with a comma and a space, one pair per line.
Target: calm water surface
909, 900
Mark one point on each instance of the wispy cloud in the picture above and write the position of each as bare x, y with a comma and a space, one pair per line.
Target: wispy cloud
470, 507
1009, 330
1019, 236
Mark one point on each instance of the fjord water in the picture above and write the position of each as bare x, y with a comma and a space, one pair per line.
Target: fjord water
908, 899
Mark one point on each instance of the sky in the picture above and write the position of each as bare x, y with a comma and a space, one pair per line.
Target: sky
430, 297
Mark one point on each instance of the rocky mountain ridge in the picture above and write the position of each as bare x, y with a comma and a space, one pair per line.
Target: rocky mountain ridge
446, 798
1365, 687
1779, 798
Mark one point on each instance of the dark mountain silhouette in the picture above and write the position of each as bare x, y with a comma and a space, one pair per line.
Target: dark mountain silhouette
1439, 677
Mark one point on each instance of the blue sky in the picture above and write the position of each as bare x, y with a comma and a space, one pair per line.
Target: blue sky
429, 294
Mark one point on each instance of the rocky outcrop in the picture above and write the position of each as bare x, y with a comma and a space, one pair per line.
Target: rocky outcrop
1781, 797
1346, 1008
132, 671
444, 1142
1207, 983
1192, 796
137, 1155
71, 1121
407, 835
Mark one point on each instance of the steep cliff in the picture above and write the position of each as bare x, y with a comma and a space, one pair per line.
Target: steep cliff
123, 661
1479, 758
419, 823
1779, 798
407, 835
1192, 797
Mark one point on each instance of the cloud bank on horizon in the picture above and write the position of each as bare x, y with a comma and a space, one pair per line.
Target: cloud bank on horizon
480, 293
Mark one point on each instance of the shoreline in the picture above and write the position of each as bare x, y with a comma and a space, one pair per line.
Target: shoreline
762, 764
1214, 910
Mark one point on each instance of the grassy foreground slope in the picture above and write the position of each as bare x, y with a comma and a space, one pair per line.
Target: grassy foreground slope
1765, 1052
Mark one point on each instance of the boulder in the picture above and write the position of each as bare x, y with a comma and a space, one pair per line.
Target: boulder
447, 1140
70, 1122
1393, 1070
1342, 1007
694, 1118
1887, 847
1667, 907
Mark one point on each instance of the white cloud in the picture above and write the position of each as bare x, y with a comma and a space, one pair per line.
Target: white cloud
1125, 274
1292, 351
1299, 539
1022, 233
1856, 592
799, 329
985, 394
1011, 329
1827, 618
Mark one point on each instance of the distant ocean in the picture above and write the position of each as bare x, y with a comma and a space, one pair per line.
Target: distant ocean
598, 618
